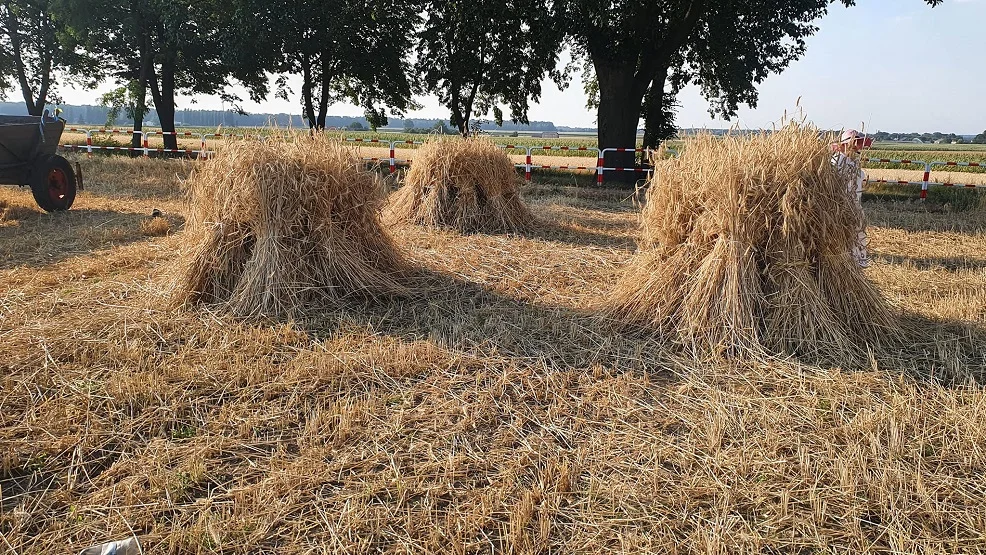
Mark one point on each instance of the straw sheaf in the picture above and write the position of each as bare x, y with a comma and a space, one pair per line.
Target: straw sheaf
277, 225
465, 184
746, 248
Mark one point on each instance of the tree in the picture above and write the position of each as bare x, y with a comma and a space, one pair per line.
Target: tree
161, 47
483, 54
123, 99
342, 50
725, 47
658, 112
34, 51
979, 139
441, 129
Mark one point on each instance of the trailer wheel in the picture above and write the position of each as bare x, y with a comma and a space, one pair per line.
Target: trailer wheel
53, 183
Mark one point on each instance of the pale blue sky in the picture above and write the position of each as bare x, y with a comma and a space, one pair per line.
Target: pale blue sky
892, 65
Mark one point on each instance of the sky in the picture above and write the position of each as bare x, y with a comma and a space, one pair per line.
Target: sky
883, 65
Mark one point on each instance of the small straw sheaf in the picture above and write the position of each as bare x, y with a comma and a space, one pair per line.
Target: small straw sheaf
277, 225
746, 249
465, 184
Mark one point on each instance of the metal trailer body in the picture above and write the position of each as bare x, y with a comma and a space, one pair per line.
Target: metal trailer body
28, 159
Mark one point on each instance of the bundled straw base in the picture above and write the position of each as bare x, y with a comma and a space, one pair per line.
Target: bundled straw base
746, 248
277, 225
468, 185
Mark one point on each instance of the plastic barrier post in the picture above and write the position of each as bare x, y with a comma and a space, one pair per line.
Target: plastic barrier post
393, 165
599, 168
89, 143
527, 170
146, 145
924, 185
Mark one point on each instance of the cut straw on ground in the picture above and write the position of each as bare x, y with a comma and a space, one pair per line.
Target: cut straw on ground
498, 414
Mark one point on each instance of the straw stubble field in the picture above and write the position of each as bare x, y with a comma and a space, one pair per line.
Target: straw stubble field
495, 412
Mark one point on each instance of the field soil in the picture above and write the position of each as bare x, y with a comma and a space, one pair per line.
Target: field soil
492, 411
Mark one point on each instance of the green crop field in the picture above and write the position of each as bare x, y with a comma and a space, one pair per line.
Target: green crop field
929, 155
930, 147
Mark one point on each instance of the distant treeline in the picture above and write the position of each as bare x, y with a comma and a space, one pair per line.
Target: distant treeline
924, 137
97, 115
881, 136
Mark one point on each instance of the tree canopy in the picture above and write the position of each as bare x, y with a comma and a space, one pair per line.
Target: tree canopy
478, 57
726, 47
35, 52
481, 55
342, 50
161, 47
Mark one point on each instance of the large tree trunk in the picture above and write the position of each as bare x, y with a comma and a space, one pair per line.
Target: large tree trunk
146, 75
166, 113
467, 109
306, 93
139, 111
50, 44
620, 97
164, 102
323, 103
654, 111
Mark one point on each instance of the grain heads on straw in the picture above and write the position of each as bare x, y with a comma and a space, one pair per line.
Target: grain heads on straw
465, 184
277, 225
746, 249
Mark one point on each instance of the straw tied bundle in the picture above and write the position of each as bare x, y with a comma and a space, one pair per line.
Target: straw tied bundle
465, 184
746, 249
277, 225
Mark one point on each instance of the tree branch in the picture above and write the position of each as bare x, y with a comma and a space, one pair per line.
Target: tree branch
17, 46
659, 59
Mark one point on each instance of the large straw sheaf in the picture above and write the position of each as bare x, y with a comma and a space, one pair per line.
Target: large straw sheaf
277, 225
745, 249
465, 184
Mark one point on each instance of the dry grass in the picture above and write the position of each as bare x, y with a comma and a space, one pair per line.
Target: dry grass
16, 212
155, 227
497, 415
747, 249
108, 214
276, 226
469, 185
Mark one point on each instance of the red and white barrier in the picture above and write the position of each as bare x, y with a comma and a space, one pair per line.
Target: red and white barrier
929, 167
600, 164
923, 183
548, 148
187, 151
529, 153
143, 139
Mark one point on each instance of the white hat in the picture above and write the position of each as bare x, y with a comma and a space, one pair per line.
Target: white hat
849, 135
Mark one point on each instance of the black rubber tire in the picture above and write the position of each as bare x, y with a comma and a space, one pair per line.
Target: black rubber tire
53, 183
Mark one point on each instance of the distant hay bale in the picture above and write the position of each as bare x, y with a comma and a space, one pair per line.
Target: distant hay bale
465, 184
746, 249
277, 225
